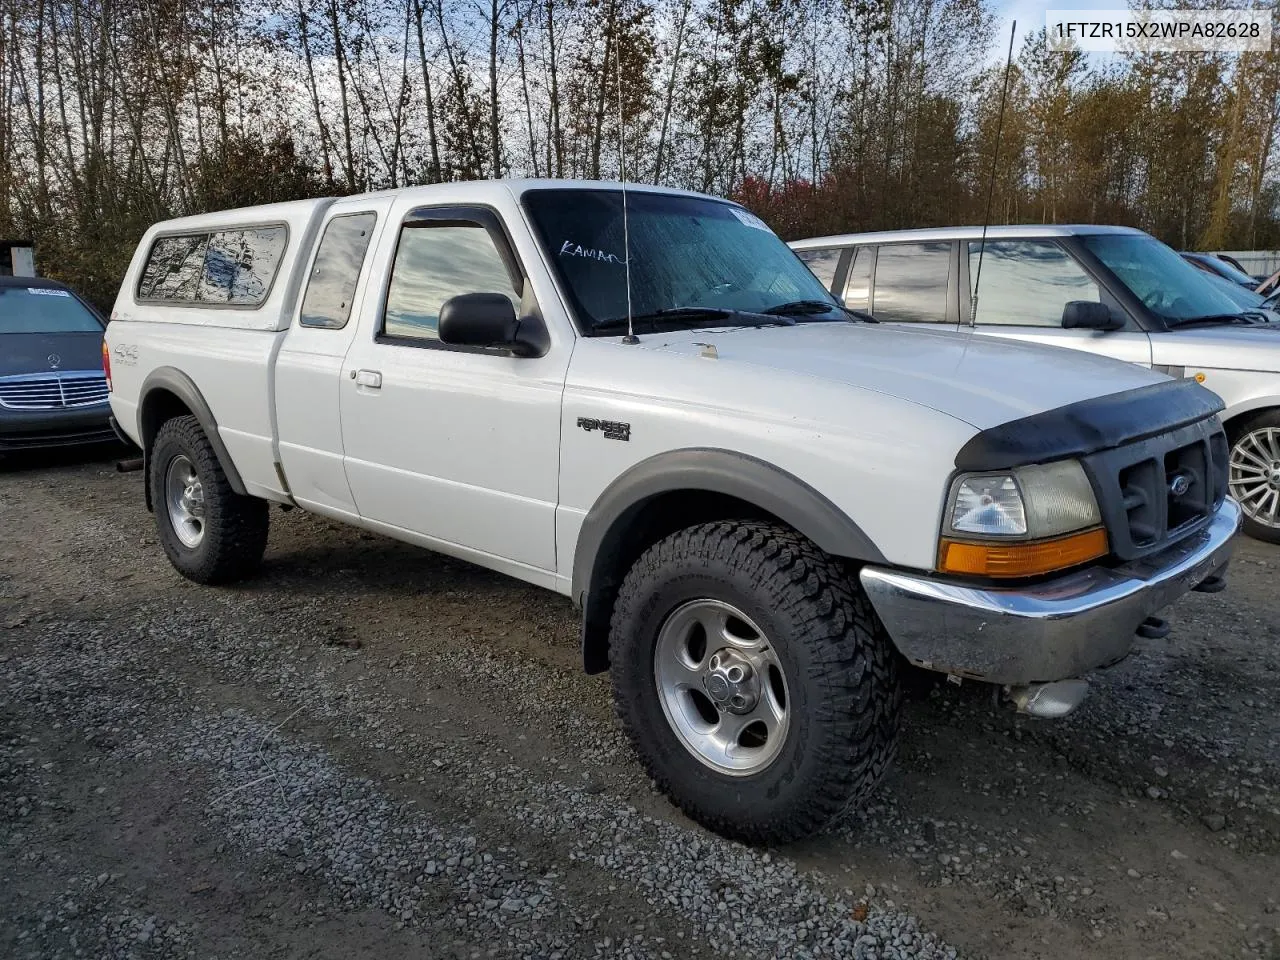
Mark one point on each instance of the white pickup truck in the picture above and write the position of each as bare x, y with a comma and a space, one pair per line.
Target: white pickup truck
760, 501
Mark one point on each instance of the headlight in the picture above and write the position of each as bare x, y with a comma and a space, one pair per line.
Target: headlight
1021, 522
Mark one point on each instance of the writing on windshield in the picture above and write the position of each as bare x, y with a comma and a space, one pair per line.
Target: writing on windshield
685, 252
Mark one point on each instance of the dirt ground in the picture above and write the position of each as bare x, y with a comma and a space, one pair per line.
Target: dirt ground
372, 751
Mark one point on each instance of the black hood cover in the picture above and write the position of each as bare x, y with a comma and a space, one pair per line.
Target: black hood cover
46, 352
1088, 426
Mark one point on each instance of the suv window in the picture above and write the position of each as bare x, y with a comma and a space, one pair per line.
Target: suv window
1027, 282
235, 266
911, 282
822, 263
332, 284
436, 261
857, 290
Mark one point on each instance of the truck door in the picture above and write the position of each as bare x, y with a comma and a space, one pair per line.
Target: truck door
1023, 288
457, 446
309, 366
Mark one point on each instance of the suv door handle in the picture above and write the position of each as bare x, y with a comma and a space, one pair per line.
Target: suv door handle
367, 378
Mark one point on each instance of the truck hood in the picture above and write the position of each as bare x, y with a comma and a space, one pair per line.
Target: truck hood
1220, 348
980, 380
30, 352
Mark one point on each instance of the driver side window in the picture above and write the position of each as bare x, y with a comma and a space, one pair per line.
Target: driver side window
437, 261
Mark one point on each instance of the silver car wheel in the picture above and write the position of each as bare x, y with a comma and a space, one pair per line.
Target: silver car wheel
1255, 475
184, 496
722, 687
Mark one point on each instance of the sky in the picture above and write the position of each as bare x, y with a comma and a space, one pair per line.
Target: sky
1030, 15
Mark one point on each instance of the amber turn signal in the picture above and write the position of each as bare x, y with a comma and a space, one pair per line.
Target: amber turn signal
1021, 559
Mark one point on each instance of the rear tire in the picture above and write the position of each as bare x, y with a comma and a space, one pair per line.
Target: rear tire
210, 533
791, 610
1254, 474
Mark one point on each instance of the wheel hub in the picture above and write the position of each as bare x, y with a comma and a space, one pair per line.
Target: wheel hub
193, 499
722, 688
731, 682
184, 495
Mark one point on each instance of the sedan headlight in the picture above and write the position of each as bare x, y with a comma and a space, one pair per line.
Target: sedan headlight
1021, 522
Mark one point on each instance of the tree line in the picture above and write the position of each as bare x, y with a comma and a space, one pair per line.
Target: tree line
821, 115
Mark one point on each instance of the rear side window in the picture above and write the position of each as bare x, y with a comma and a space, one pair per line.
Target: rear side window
911, 282
435, 262
822, 263
234, 267
339, 260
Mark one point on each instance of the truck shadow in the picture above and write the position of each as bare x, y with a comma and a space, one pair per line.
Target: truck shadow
61, 457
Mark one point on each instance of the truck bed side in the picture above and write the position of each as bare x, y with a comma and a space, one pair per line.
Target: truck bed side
224, 354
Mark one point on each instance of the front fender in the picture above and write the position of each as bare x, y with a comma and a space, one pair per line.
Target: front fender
696, 470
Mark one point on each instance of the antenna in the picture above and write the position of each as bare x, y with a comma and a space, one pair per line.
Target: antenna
622, 177
991, 185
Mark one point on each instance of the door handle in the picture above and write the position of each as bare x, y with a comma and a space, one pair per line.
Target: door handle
367, 378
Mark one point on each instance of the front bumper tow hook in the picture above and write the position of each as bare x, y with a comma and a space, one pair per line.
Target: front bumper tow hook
1153, 628
1214, 584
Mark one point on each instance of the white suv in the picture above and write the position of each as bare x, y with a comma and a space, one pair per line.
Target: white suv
1114, 291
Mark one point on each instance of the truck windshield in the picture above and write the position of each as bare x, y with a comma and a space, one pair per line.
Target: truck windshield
44, 310
1167, 284
694, 261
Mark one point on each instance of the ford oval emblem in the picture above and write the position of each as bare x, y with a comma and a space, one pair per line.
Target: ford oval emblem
1179, 485
54, 360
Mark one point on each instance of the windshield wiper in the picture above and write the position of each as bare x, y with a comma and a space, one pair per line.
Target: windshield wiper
801, 307
690, 316
1215, 319
814, 307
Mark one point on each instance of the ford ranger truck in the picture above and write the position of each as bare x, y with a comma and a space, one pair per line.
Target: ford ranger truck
763, 504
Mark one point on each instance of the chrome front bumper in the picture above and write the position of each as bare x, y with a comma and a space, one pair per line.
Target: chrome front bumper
1052, 630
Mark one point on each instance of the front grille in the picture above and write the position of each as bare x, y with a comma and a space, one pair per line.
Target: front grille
53, 391
1156, 491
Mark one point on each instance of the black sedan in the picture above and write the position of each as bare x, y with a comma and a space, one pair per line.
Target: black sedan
52, 389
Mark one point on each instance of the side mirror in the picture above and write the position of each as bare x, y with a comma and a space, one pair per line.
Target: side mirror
478, 320
1089, 315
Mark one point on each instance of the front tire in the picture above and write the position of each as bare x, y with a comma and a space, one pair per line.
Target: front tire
1254, 475
210, 533
753, 679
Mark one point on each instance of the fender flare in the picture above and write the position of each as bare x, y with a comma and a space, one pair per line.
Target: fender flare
174, 381
708, 470
1248, 408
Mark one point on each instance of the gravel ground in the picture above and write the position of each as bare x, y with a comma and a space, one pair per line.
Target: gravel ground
374, 751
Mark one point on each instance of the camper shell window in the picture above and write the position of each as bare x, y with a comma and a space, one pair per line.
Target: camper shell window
233, 266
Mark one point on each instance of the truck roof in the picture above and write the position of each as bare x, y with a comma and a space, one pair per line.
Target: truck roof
1020, 231
301, 210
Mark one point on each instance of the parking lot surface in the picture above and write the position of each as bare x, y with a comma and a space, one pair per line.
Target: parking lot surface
374, 751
